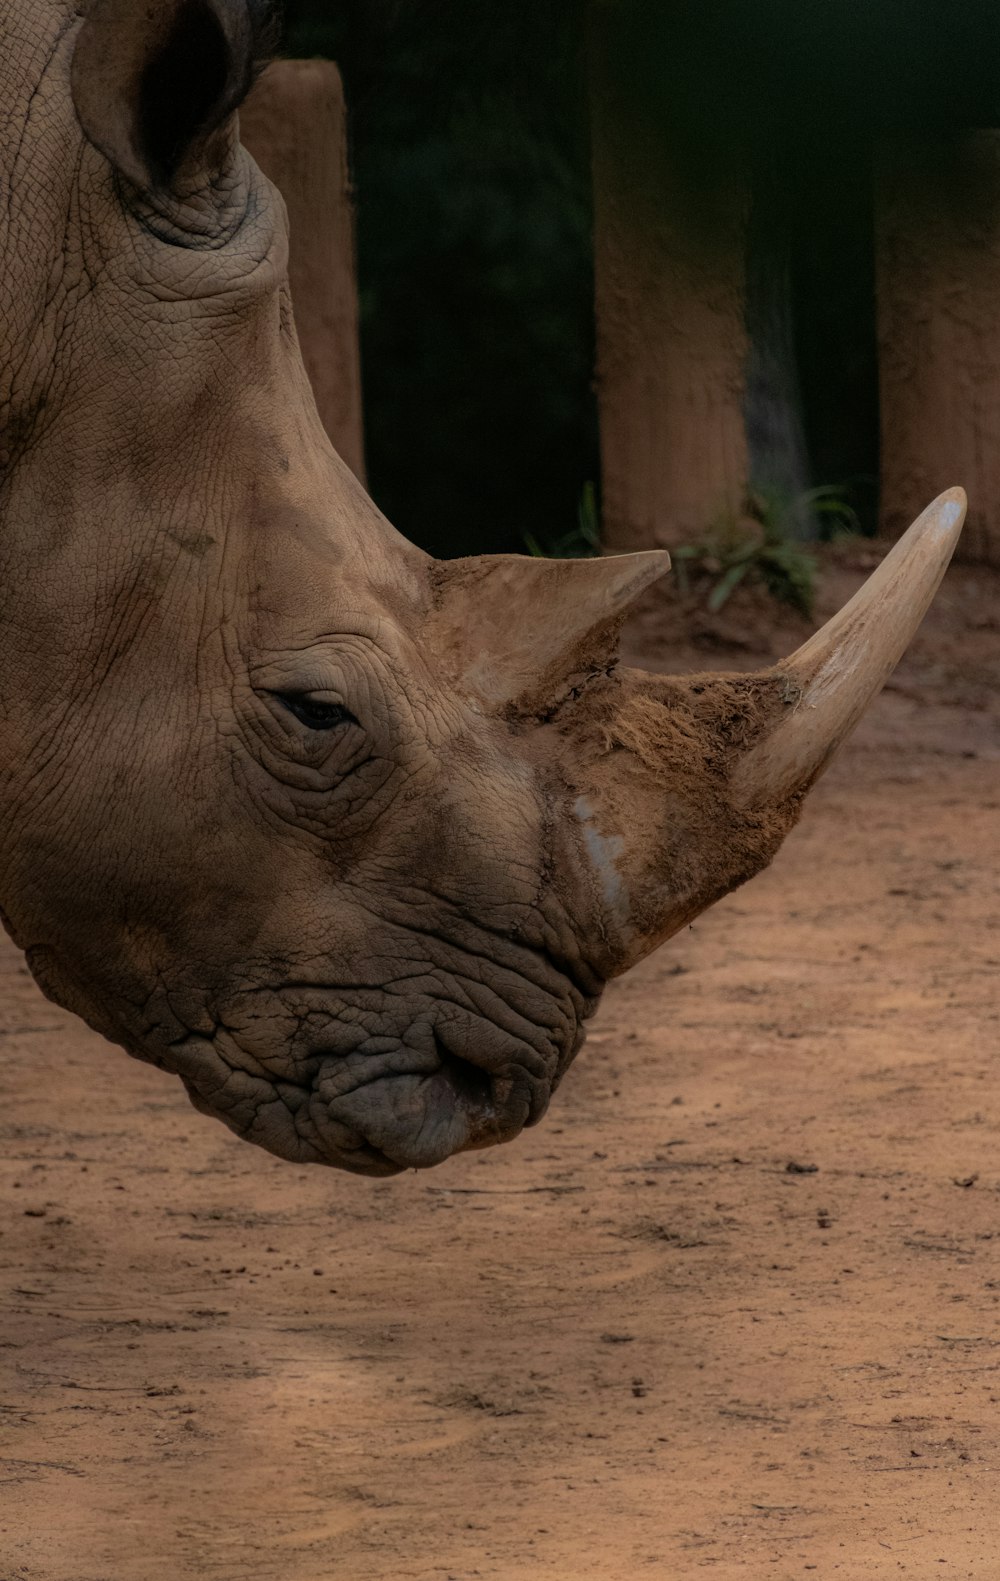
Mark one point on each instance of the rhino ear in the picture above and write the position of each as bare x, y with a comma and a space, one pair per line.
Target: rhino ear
515, 632
155, 85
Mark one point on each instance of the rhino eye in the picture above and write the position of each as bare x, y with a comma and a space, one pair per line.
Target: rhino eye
313, 712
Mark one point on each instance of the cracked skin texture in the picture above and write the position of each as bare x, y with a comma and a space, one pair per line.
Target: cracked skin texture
371, 942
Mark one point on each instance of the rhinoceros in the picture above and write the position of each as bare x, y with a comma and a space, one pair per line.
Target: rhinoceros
347, 838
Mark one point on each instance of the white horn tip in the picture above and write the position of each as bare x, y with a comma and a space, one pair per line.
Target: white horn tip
945, 516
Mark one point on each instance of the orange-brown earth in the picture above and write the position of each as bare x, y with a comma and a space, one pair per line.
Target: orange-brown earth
734, 1308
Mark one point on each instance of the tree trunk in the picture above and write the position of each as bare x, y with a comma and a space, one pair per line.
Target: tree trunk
938, 241
294, 124
672, 348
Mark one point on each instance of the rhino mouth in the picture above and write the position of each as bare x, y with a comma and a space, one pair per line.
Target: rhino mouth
377, 1115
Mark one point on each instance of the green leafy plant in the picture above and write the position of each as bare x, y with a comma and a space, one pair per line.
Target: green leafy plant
764, 544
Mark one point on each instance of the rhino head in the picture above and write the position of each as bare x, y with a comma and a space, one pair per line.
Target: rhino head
347, 838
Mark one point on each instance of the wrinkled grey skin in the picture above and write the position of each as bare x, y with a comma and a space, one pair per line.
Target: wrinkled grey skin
370, 944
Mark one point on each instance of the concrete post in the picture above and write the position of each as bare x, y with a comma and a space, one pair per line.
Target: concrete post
670, 261
938, 271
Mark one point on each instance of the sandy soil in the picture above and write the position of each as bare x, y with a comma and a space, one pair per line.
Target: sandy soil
734, 1309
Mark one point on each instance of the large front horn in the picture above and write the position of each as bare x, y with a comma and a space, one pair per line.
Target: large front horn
835, 675
685, 786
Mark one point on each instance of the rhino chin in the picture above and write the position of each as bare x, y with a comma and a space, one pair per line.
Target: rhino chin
416, 1121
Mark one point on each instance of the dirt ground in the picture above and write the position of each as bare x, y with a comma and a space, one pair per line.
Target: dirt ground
733, 1309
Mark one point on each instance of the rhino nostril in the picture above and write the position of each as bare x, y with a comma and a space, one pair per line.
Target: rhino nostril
469, 1082
496, 1101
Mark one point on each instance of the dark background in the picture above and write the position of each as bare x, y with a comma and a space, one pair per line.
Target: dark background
471, 161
